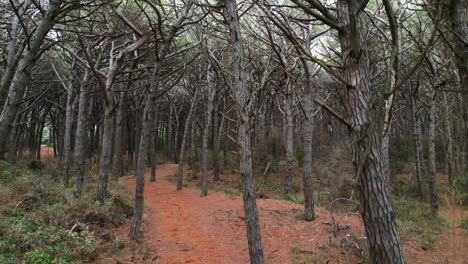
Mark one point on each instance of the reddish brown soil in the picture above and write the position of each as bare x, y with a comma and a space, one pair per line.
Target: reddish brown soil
182, 227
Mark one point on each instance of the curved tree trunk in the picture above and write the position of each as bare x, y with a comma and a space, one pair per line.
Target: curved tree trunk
23, 73
376, 210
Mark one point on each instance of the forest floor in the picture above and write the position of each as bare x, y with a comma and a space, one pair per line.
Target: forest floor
182, 227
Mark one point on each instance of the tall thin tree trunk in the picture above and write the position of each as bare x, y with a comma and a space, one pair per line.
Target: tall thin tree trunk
148, 123
449, 138
80, 136
219, 134
68, 137
418, 147
117, 167
169, 129
154, 144
289, 138
176, 136
105, 159
432, 154
188, 121
245, 149
309, 213
211, 89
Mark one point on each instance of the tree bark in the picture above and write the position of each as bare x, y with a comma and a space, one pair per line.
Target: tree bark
117, 167
105, 159
68, 136
449, 139
80, 136
23, 73
154, 144
245, 148
377, 212
188, 121
309, 212
432, 154
211, 89
418, 147
458, 14
14, 51
147, 124
219, 134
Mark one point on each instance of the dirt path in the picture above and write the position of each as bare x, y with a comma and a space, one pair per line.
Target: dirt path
182, 227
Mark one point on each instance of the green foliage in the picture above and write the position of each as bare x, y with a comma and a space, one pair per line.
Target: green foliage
464, 223
39, 257
36, 225
7, 172
40, 243
226, 189
300, 157
415, 221
293, 197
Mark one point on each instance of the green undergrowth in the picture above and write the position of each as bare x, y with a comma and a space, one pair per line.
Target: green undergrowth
464, 223
305, 256
43, 222
416, 223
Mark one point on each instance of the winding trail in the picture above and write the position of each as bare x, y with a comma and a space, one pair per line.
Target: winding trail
182, 227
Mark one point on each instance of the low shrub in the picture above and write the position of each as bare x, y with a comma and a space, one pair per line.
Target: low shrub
43, 222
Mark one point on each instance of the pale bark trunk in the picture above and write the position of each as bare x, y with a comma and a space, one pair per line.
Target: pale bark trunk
245, 148
80, 136
188, 121
211, 89
376, 210
23, 73
68, 136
